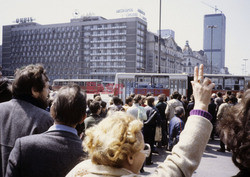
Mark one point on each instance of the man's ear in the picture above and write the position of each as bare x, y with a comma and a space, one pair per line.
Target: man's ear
52, 112
130, 159
35, 94
83, 118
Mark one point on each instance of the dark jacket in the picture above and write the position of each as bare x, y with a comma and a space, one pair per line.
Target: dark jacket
153, 116
92, 120
243, 173
19, 118
212, 110
161, 106
190, 107
176, 125
53, 153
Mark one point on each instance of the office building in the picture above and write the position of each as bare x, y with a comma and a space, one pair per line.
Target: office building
86, 48
214, 40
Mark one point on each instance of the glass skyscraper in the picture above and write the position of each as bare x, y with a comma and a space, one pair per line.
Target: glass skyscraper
214, 40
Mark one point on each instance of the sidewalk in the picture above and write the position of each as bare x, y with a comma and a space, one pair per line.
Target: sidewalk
213, 163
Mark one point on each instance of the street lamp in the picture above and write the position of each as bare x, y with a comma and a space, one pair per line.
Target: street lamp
245, 65
159, 42
212, 28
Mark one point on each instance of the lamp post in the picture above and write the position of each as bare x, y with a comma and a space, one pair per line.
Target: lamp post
159, 42
211, 62
245, 67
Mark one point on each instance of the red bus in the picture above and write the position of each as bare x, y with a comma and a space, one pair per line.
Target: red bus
89, 85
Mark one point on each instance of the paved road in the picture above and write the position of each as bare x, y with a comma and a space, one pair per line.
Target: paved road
213, 163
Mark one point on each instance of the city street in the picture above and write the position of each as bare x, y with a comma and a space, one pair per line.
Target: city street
213, 163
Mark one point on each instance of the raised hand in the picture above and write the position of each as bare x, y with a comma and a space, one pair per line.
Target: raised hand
202, 89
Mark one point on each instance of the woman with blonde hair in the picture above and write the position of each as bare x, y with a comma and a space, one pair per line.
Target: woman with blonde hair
116, 145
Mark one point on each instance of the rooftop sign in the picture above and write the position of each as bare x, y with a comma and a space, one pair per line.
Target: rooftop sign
131, 12
24, 20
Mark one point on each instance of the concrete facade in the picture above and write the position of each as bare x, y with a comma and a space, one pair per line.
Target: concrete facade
85, 48
218, 41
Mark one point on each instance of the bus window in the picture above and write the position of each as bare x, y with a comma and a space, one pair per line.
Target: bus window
227, 87
218, 87
229, 83
161, 82
172, 84
183, 84
143, 86
143, 80
236, 87
234, 83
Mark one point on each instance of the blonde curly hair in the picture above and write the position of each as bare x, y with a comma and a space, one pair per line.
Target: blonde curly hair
114, 139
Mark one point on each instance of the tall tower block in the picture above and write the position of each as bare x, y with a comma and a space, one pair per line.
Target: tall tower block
214, 39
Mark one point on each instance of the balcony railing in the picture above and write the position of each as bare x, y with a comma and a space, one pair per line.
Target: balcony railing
104, 60
108, 34
109, 47
99, 54
102, 41
121, 66
110, 27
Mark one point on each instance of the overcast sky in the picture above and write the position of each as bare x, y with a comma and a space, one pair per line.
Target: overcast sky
185, 17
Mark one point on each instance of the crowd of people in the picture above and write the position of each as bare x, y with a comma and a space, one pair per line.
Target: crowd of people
68, 134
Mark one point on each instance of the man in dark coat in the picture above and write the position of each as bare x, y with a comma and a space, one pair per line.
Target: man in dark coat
57, 151
25, 114
212, 111
161, 106
153, 118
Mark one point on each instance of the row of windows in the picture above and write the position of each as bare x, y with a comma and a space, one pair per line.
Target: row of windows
108, 57
46, 36
117, 31
35, 48
106, 38
108, 44
104, 26
58, 61
46, 30
104, 45
107, 64
170, 64
46, 53
45, 42
109, 51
